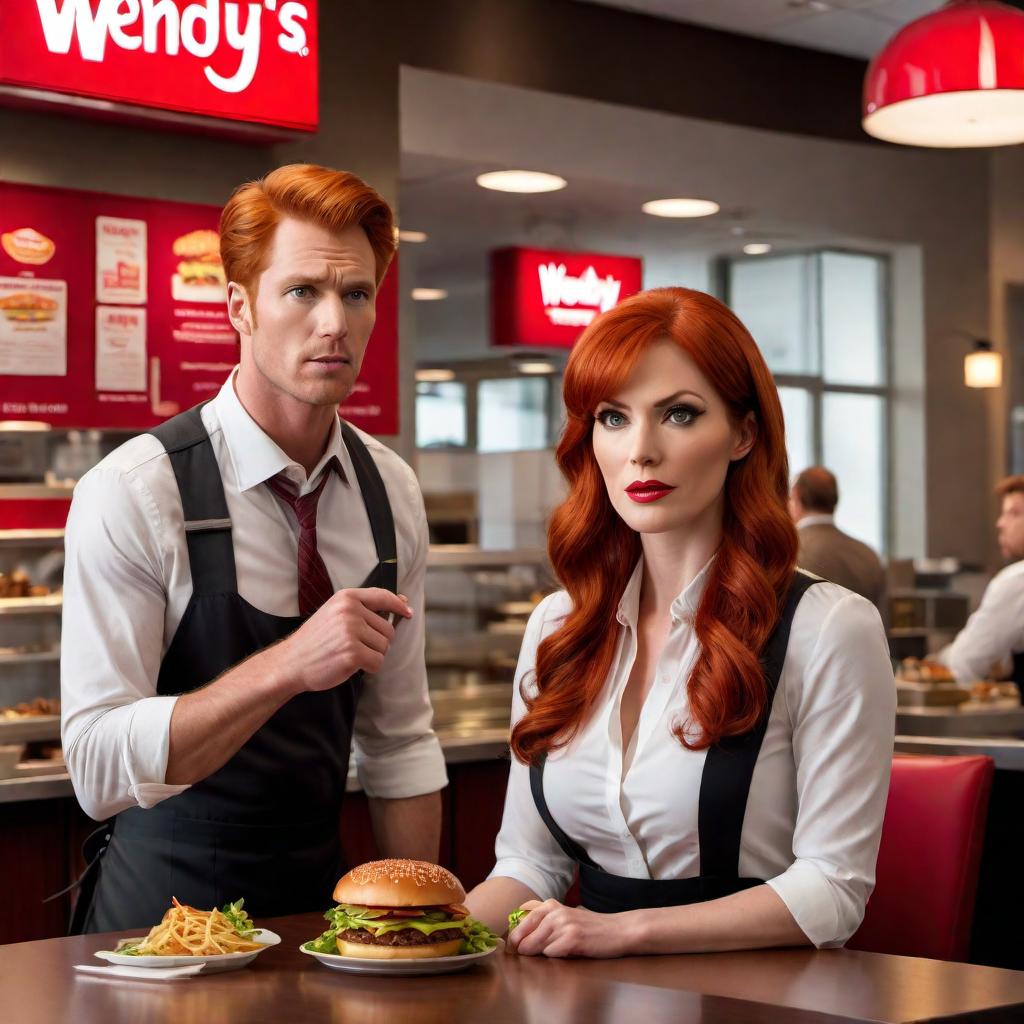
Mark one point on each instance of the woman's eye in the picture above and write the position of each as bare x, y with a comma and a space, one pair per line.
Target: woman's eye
682, 414
611, 418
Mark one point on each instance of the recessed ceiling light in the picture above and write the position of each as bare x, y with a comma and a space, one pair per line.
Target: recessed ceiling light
681, 207
435, 376
757, 248
521, 181
535, 367
429, 294
412, 236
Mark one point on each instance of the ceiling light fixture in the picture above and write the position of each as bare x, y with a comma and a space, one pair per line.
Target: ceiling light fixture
954, 78
681, 207
429, 294
983, 368
538, 367
411, 236
521, 181
757, 248
434, 376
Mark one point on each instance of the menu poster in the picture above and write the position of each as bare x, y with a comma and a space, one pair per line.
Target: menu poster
120, 260
151, 257
120, 349
33, 327
117, 255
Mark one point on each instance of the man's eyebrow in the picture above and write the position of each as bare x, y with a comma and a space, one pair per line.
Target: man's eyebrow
660, 404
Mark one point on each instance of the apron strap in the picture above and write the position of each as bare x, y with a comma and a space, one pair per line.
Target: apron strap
729, 767
569, 846
211, 554
378, 508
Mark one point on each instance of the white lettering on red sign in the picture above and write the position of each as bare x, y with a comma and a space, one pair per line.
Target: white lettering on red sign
160, 26
562, 293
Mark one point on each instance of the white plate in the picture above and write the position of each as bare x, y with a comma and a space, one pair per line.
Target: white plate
211, 964
424, 965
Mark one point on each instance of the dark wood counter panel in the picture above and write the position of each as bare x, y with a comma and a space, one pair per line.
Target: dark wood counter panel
792, 986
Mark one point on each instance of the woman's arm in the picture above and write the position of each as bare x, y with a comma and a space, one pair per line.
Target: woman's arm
752, 919
495, 898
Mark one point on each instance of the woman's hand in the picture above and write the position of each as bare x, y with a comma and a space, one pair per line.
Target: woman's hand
553, 929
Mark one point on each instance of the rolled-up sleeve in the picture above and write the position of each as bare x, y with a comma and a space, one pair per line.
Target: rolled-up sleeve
115, 729
843, 726
525, 849
397, 753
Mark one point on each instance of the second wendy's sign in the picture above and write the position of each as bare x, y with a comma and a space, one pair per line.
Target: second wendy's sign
206, 61
542, 298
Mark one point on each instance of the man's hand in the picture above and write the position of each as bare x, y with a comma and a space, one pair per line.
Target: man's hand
349, 632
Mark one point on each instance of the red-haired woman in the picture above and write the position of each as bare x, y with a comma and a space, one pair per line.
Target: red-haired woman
700, 729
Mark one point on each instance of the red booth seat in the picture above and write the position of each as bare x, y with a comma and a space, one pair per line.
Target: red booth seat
927, 876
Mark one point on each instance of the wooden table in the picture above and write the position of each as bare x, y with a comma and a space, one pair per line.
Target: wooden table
38, 986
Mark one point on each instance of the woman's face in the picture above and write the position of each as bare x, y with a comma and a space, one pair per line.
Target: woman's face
664, 443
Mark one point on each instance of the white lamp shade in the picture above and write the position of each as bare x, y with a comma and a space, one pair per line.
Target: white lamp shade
983, 369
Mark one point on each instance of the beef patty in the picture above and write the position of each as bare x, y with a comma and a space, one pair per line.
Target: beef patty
403, 937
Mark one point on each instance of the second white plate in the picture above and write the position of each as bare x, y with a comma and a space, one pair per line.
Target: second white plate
424, 965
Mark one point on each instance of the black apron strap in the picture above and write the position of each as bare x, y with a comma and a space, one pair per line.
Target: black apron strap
729, 767
378, 508
569, 846
211, 553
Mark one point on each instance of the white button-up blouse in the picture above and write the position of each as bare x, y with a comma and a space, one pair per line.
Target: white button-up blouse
819, 787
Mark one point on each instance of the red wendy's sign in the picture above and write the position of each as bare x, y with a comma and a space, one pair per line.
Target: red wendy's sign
237, 62
541, 298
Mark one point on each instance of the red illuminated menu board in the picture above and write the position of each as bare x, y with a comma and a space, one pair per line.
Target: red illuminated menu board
113, 314
215, 60
544, 298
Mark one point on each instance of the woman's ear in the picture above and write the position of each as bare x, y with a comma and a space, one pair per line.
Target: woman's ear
745, 437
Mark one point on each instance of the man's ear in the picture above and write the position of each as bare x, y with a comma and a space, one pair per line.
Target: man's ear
746, 436
239, 310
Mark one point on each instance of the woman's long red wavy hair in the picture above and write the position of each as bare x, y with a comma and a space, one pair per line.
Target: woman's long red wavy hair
594, 552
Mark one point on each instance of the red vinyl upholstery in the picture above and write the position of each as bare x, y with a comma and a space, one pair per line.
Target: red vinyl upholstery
927, 876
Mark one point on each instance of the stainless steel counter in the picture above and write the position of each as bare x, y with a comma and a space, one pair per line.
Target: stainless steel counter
972, 719
1008, 754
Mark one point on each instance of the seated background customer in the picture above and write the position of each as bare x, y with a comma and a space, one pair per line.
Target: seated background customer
824, 549
991, 644
710, 801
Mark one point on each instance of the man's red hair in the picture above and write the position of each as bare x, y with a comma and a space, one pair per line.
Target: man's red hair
335, 200
594, 552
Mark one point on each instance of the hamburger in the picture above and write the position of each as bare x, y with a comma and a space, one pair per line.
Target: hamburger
200, 274
28, 307
400, 910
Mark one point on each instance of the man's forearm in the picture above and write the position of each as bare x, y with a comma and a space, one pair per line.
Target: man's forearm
409, 827
210, 725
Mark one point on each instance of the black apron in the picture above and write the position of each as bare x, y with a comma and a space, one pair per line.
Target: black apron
265, 826
724, 787
1017, 676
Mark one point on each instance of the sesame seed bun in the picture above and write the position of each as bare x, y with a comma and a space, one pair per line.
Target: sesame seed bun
399, 883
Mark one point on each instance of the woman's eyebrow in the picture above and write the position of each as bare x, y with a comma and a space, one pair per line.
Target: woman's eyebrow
661, 404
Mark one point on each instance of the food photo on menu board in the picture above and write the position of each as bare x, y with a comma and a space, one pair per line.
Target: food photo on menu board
200, 274
33, 327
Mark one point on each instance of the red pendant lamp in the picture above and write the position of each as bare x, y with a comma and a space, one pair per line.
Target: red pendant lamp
953, 78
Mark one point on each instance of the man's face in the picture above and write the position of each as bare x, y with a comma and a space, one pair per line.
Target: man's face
1010, 526
315, 309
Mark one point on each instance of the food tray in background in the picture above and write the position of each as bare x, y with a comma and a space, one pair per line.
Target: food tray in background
30, 729
929, 695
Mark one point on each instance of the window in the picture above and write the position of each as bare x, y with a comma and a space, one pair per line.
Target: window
820, 319
512, 414
440, 414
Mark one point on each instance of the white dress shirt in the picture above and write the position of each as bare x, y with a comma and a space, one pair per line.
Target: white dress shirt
819, 787
816, 519
127, 583
994, 633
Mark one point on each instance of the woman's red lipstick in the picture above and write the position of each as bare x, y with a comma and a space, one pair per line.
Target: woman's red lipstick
644, 491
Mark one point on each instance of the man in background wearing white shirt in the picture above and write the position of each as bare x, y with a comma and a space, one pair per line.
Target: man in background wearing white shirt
243, 599
991, 645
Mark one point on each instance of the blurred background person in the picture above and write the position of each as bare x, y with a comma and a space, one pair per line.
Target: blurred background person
824, 549
991, 644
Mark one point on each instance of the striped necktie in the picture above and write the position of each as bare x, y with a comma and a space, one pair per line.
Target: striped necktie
314, 583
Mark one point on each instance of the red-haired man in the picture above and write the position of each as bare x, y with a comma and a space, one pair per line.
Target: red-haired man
244, 597
992, 642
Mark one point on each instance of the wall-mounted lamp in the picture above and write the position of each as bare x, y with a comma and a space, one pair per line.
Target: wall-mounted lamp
983, 368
